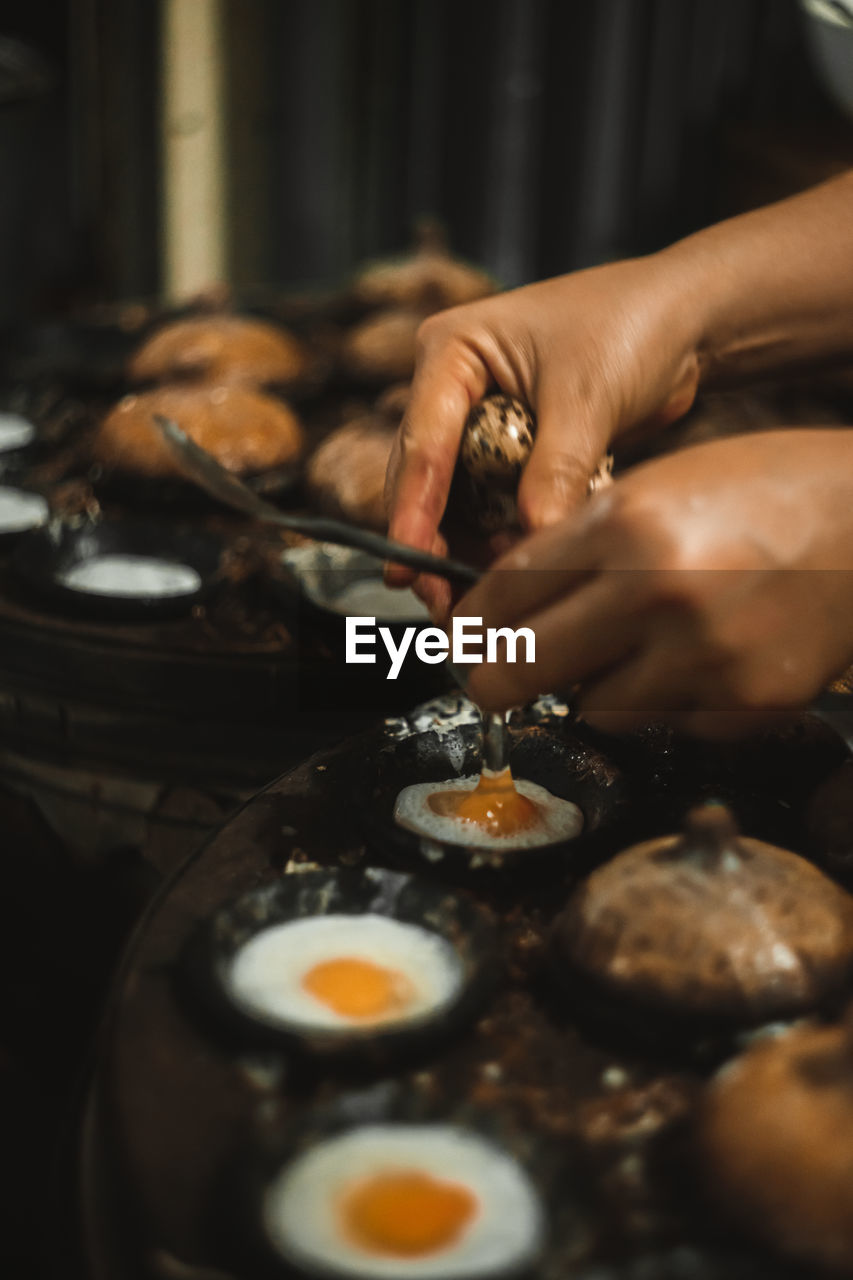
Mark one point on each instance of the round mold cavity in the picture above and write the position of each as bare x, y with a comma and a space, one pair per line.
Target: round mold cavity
563, 764
439, 948
118, 571
276, 1188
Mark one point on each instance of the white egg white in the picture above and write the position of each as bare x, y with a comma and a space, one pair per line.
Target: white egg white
130, 575
20, 510
267, 973
559, 819
15, 432
301, 1206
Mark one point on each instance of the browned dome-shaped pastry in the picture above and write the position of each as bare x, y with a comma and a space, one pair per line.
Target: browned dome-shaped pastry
220, 349
382, 347
346, 474
775, 1144
245, 430
709, 924
429, 278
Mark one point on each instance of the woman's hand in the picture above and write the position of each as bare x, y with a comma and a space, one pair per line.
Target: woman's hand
593, 354
712, 589
601, 352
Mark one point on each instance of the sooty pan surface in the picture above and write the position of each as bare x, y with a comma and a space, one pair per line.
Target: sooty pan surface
174, 1109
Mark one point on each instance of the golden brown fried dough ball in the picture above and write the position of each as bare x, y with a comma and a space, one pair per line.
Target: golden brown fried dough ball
775, 1146
382, 347
220, 349
245, 430
429, 277
346, 474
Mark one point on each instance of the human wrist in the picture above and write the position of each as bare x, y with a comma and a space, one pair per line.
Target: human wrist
706, 303
771, 288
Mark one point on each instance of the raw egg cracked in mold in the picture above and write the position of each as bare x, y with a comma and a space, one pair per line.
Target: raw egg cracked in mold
493, 811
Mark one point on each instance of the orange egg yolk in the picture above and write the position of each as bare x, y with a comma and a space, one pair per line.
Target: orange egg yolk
356, 988
494, 805
406, 1213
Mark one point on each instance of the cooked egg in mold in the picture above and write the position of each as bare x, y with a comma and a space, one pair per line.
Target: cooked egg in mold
16, 432
363, 961
116, 569
344, 971
129, 576
392, 1201
20, 511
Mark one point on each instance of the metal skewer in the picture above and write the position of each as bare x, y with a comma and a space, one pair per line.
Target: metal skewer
215, 480
222, 484
495, 741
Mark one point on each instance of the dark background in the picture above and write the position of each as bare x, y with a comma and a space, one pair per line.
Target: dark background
547, 134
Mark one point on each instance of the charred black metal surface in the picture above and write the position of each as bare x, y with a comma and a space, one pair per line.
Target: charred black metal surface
176, 1109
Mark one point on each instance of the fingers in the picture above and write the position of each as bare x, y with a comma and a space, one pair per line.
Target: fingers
577, 636
450, 378
546, 565
438, 596
716, 724
437, 593
572, 433
637, 692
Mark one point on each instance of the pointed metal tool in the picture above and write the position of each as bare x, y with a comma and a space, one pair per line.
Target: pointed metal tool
202, 467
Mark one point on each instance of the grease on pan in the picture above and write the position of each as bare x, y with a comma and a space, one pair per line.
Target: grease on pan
335, 972
395, 1201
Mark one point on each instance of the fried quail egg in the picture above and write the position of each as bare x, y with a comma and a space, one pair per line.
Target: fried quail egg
130, 575
399, 1200
336, 972
489, 812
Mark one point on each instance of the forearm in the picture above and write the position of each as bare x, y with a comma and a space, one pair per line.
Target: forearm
771, 289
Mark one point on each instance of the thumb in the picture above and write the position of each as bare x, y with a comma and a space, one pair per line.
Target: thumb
571, 435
